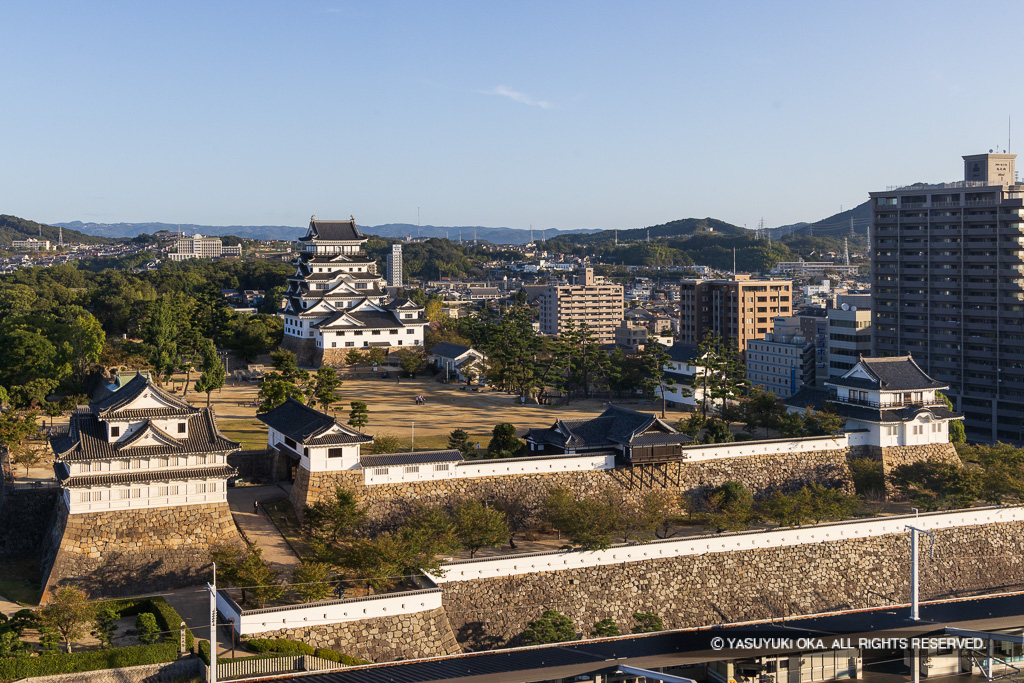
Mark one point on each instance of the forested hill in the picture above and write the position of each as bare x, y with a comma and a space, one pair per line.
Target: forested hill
684, 227
14, 228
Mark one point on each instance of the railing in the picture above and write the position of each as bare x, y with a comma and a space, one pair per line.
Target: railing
273, 665
876, 404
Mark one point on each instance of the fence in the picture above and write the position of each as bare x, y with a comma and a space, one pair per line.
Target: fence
241, 668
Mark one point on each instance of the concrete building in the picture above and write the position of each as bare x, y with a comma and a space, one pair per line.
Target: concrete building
198, 246
739, 308
599, 307
395, 266
31, 244
948, 286
849, 332
813, 268
781, 364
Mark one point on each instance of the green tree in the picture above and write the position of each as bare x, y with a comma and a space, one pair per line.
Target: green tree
311, 581
478, 526
259, 577
69, 613
458, 440
647, 622
731, 506
359, 416
868, 477
11, 646
504, 443
783, 509
412, 361
106, 624
718, 431
334, 519
937, 485
385, 443
213, 376
721, 376
588, 523
354, 357
640, 520
957, 433
655, 379
284, 362
606, 628
325, 387
551, 627
274, 391
761, 409
146, 628
80, 338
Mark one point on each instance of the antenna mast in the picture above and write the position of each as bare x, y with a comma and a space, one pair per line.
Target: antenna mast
417, 221
734, 263
846, 250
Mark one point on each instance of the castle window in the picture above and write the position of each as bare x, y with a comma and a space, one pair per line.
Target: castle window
379, 471
412, 469
290, 443
115, 431
335, 452
181, 427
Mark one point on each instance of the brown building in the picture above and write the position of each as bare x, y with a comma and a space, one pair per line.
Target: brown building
739, 308
600, 307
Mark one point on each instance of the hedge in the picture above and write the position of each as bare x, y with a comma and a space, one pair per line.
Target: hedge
281, 646
111, 658
204, 654
166, 618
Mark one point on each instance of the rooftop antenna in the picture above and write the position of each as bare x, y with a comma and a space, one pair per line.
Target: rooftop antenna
734, 263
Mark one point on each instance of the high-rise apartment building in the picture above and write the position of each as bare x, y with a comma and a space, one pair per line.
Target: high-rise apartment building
740, 308
599, 306
395, 266
849, 332
948, 287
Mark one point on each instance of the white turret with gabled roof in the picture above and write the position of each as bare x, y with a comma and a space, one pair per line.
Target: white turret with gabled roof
894, 401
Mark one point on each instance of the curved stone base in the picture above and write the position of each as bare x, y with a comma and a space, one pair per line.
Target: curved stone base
306, 351
127, 552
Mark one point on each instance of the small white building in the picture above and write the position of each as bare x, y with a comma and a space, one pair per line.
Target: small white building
893, 402
312, 440
456, 361
682, 368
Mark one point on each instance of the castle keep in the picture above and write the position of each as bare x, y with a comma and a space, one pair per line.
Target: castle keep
337, 301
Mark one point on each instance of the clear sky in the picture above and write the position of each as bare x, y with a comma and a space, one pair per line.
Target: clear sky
555, 113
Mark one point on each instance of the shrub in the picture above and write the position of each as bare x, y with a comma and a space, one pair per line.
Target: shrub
281, 646
551, 627
112, 658
605, 629
647, 622
868, 477
146, 628
325, 653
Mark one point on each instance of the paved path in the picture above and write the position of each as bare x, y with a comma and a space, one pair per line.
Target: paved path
7, 608
259, 529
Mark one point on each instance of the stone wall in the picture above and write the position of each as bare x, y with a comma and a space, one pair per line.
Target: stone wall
27, 514
760, 473
127, 552
307, 354
189, 669
384, 639
717, 588
257, 465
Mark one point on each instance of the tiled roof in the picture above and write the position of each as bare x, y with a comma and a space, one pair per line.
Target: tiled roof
653, 438
449, 350
615, 425
343, 231
904, 414
682, 353
298, 421
898, 373
371, 320
809, 396
84, 480
338, 439
86, 440
415, 458
113, 406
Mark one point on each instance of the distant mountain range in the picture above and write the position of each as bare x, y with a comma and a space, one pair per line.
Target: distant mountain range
14, 228
836, 225
288, 232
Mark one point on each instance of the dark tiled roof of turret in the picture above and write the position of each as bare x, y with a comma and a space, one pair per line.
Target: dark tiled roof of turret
298, 421
449, 350
115, 405
85, 480
896, 373
616, 425
334, 231
86, 439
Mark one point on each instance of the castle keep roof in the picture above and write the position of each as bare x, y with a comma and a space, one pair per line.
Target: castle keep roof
332, 231
896, 373
118, 405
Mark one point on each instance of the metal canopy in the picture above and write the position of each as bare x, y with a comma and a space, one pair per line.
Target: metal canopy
986, 635
654, 675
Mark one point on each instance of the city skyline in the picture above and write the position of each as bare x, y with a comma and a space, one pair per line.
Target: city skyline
571, 116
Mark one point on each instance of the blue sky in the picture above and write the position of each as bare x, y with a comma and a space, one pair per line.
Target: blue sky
555, 114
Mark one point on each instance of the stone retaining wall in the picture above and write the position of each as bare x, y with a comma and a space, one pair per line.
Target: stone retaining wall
127, 552
739, 586
384, 639
761, 473
27, 515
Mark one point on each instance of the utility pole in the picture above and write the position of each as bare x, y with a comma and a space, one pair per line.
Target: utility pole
413, 447
914, 581
213, 625
846, 250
